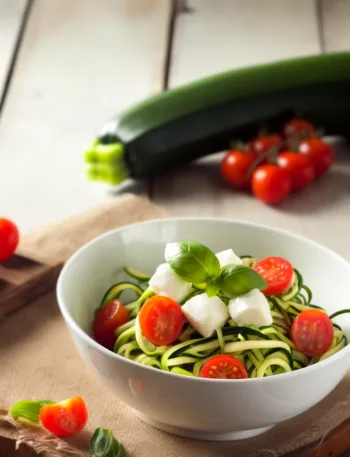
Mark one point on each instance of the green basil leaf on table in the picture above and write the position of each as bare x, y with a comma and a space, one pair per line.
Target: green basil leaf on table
103, 444
236, 280
192, 261
28, 409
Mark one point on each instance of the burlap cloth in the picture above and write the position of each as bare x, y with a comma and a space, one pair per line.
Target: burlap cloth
39, 361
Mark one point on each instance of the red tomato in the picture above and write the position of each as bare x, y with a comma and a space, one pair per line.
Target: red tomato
271, 184
223, 366
264, 144
9, 238
312, 332
277, 272
298, 128
320, 154
65, 418
235, 167
107, 319
161, 320
299, 167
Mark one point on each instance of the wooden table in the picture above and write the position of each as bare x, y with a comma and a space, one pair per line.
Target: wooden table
68, 65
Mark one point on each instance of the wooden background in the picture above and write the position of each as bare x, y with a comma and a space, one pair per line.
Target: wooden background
68, 65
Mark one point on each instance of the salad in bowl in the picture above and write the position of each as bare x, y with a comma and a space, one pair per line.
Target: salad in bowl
219, 316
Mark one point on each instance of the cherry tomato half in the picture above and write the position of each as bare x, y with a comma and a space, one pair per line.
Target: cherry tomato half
223, 366
107, 319
65, 418
299, 167
277, 272
235, 167
264, 144
271, 184
312, 332
320, 154
161, 320
299, 129
9, 238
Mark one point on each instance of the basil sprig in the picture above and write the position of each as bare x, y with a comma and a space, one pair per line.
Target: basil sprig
103, 444
236, 280
28, 409
196, 263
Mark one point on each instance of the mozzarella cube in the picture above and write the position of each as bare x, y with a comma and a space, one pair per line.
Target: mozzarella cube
250, 309
228, 257
166, 282
205, 314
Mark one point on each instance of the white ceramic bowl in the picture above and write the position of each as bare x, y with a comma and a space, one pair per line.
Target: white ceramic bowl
194, 407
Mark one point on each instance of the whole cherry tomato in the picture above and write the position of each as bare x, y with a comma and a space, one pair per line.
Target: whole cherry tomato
264, 144
9, 238
271, 183
107, 319
320, 154
235, 167
298, 128
299, 167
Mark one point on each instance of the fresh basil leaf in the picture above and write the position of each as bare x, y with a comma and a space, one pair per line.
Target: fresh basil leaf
212, 289
28, 409
236, 280
103, 444
192, 261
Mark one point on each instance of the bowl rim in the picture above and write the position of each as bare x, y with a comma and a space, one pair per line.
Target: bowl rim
269, 379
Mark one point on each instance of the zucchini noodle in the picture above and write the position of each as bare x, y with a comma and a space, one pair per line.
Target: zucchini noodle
265, 351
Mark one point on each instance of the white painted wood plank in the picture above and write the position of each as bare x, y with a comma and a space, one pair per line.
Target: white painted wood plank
81, 62
11, 12
226, 34
223, 34
336, 25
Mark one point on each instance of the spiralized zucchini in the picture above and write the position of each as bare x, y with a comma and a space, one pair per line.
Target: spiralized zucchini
265, 351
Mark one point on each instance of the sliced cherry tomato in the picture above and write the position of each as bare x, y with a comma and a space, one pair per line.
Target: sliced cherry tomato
161, 320
271, 184
65, 418
264, 144
299, 129
9, 238
277, 272
299, 167
235, 167
223, 366
320, 154
312, 332
107, 319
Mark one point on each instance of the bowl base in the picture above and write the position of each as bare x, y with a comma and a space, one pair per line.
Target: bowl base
202, 435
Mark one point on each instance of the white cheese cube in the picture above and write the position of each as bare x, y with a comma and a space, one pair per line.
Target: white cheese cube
167, 283
205, 314
228, 257
250, 309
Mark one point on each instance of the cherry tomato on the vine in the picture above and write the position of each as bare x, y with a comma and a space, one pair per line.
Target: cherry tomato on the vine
161, 320
265, 144
223, 366
298, 128
107, 319
65, 418
312, 332
299, 167
9, 238
235, 167
319, 152
271, 184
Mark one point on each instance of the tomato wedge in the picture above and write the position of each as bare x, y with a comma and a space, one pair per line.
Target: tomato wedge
277, 272
312, 332
107, 319
223, 366
161, 320
65, 418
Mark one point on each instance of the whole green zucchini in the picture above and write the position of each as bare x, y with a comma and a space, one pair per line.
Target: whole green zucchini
182, 124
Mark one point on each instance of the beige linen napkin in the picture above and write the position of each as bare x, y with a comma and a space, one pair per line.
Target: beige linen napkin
38, 360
